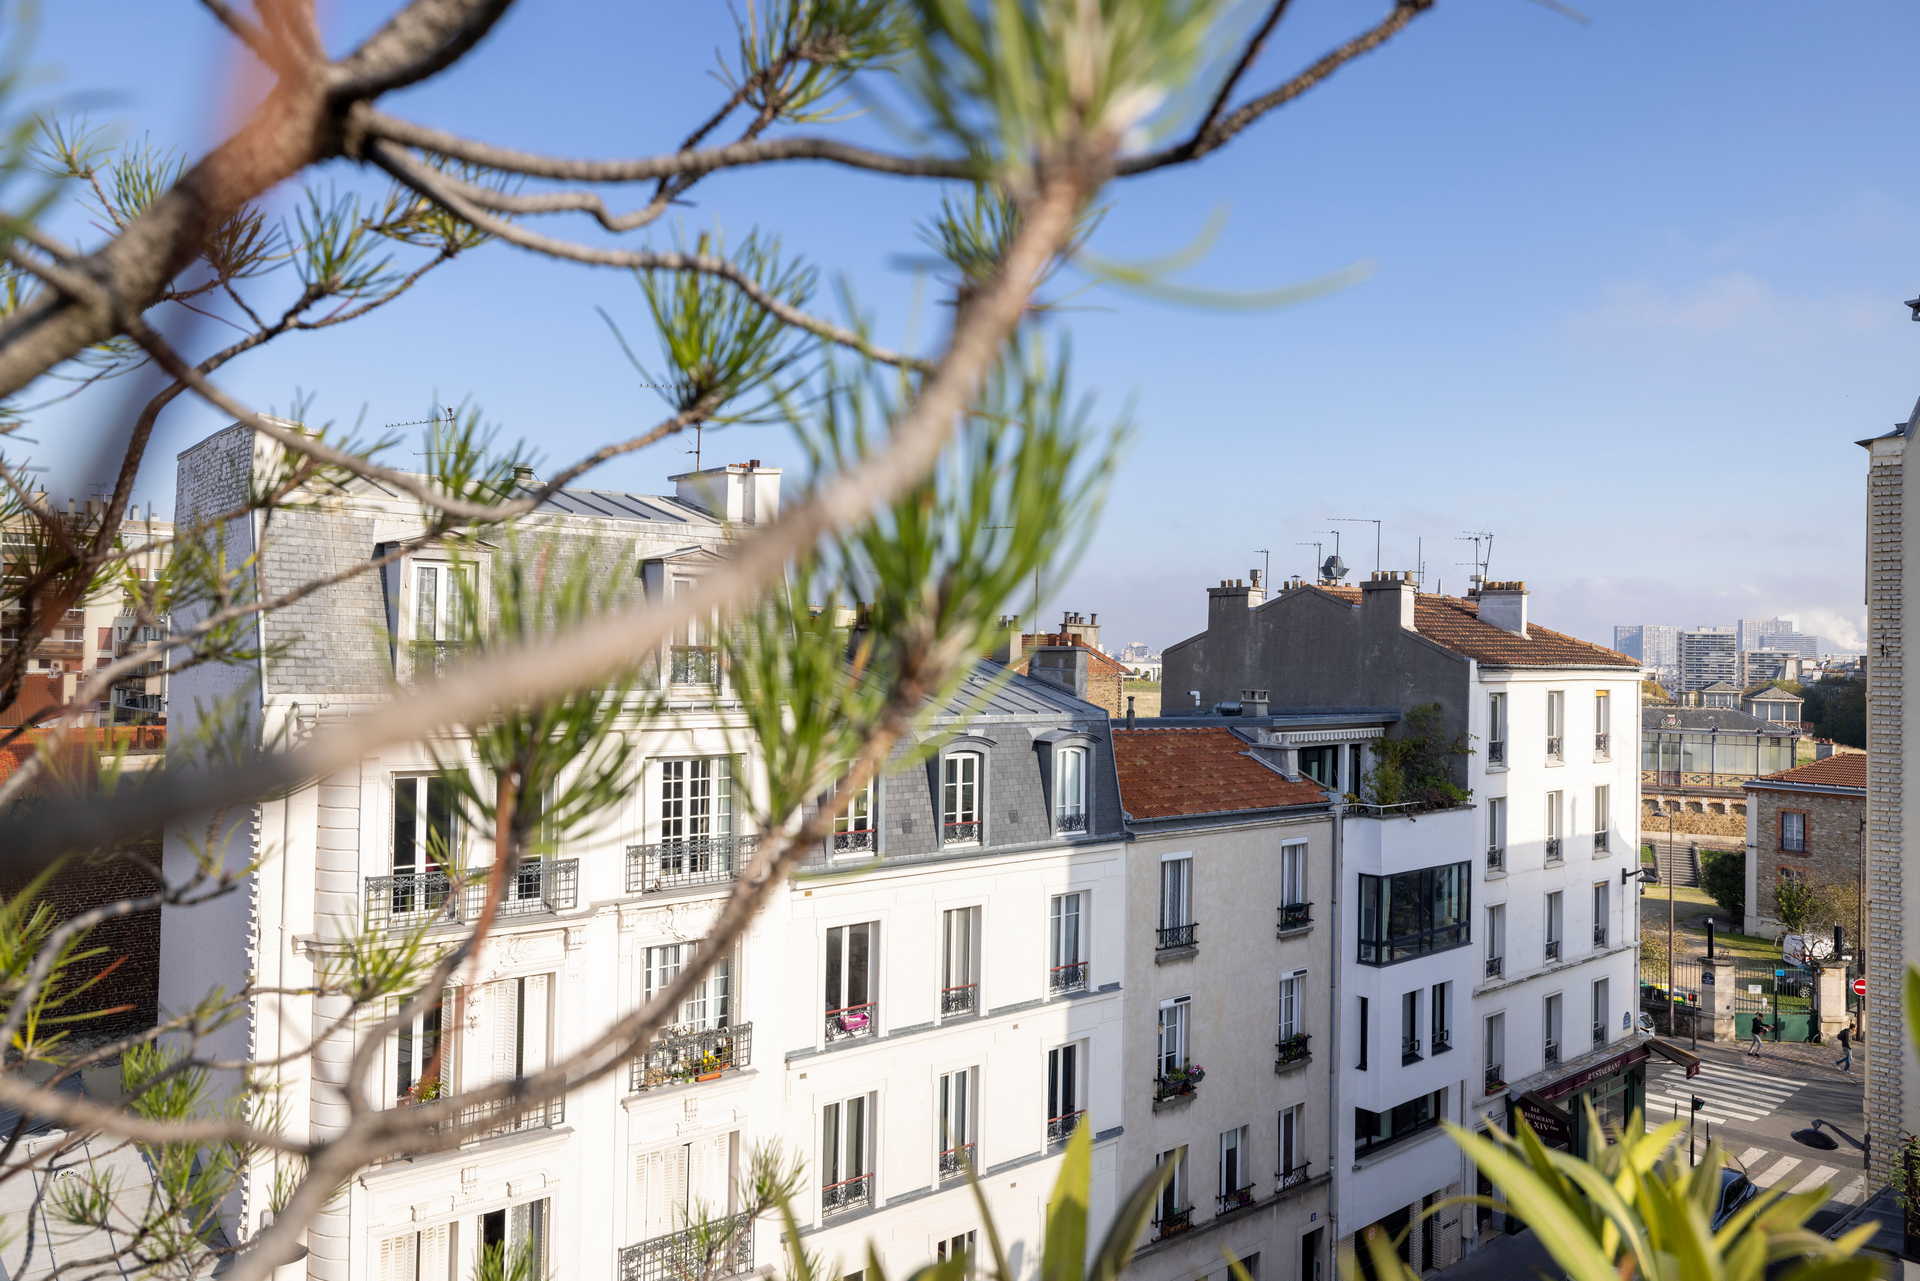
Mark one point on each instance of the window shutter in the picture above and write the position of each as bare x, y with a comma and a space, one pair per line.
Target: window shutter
436, 1253
503, 1017
536, 996
709, 1181
398, 1258
663, 1191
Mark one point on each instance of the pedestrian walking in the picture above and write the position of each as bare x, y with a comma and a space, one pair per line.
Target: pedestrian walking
1760, 1029
1845, 1061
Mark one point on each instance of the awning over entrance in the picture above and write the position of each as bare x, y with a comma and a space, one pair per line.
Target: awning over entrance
1580, 1079
1674, 1054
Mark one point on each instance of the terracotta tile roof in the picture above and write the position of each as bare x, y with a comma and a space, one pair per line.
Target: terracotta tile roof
1455, 623
1180, 772
1842, 769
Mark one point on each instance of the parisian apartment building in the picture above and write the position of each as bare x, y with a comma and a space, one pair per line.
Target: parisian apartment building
1485, 945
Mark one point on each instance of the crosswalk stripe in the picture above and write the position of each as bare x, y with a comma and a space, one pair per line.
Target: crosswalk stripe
1751, 1155
1850, 1195
1715, 1112
1713, 1100
1819, 1175
1731, 1078
1773, 1173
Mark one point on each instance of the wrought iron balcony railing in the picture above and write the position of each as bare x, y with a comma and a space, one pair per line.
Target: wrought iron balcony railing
408, 900
852, 1021
1602, 744
1169, 1223
1496, 966
1294, 1176
1551, 1053
1555, 746
1291, 1050
960, 832
1553, 949
1060, 1128
1600, 842
693, 665
961, 998
955, 1161
1599, 1033
1442, 1042
687, 862
1294, 916
1599, 936
1554, 854
1172, 936
434, 657
847, 1194
1496, 1079
506, 1116
722, 1248
693, 1056
1070, 822
1496, 857
1174, 1085
1238, 1199
1070, 977
856, 840
1496, 751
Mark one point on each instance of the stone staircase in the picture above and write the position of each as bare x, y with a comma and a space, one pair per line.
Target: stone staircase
1677, 862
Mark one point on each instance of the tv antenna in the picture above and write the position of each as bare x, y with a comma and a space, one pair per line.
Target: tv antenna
443, 415
1362, 520
1266, 575
699, 429
1316, 544
1482, 540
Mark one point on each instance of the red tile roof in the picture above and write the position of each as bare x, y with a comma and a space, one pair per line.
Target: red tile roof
1455, 623
1842, 769
1181, 772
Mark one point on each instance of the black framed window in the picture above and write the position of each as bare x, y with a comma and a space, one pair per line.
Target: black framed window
1375, 1130
1414, 914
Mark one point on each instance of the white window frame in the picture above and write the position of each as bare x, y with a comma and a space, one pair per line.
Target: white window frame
1497, 729
956, 1119
1290, 1139
860, 819
962, 780
1293, 874
1556, 724
1176, 890
696, 801
847, 1133
1497, 828
412, 1049
1235, 1157
960, 938
1292, 1017
1602, 815
1602, 1015
1070, 790
709, 1005
1497, 931
840, 1004
1173, 1046
1066, 1080
1554, 924
1173, 1197
1067, 942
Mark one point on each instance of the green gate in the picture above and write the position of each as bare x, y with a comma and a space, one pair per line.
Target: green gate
1782, 994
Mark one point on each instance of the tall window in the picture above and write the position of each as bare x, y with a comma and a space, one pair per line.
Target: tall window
1495, 1055
1293, 874
1293, 1141
1173, 1051
851, 985
1173, 1210
1556, 917
959, 1096
679, 1182
1236, 1181
1550, 1029
1440, 1015
425, 841
960, 960
854, 830
1067, 943
1413, 914
709, 1005
1600, 1012
1496, 940
1556, 802
1602, 817
696, 816
1292, 987
1602, 723
1070, 790
846, 1155
1793, 831
1410, 1026
1496, 832
963, 1246
1556, 724
422, 1062
693, 659
960, 799
1366, 1033
1602, 917
1496, 729
1064, 1091
436, 614
518, 1026
519, 1230
1176, 902
426, 1255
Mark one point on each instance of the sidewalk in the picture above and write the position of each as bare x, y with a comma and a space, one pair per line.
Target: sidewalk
1797, 1056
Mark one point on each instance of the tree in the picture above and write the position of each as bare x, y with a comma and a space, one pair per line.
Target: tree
1797, 904
1653, 692
1723, 875
1837, 707
942, 479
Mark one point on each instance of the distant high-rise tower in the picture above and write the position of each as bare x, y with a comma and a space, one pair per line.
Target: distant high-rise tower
1708, 655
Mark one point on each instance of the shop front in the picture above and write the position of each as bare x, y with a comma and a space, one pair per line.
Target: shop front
1613, 1081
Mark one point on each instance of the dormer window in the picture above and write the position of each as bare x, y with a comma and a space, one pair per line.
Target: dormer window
438, 590
855, 831
960, 798
1070, 790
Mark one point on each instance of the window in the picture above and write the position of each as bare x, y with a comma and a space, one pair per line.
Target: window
1321, 764
696, 807
1064, 1091
846, 1155
425, 842
1173, 1052
1602, 817
1602, 723
957, 1247
422, 1062
1555, 811
426, 1255
1556, 724
1496, 940
709, 1005
1172, 1211
678, 1183
959, 1096
1293, 1144
1496, 729
1070, 790
1555, 918
1410, 1026
1365, 1029
1413, 914
1793, 831
1375, 1130
1066, 943
434, 635
1550, 1029
693, 660
514, 1017
1601, 915
1439, 1003
854, 831
960, 961
1599, 1011
1176, 902
1495, 1055
1293, 874
1292, 986
1236, 1182
851, 985
960, 799
1496, 832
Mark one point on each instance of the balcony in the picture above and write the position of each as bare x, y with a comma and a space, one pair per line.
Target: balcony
1496, 1080
1551, 1054
847, 1194
409, 900
965, 831
1553, 949
1171, 1223
1071, 977
1554, 851
434, 657
703, 1055
1496, 966
956, 1161
723, 1248
1291, 1051
1496, 857
692, 861
1294, 917
1072, 824
1238, 1199
855, 840
1497, 751
1556, 748
1602, 746
506, 1116
1177, 1086
1599, 937
1060, 1128
961, 998
1294, 1176
693, 665
852, 1022
1600, 1033
1409, 1050
1169, 937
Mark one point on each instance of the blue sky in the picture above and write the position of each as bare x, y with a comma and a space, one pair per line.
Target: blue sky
1633, 293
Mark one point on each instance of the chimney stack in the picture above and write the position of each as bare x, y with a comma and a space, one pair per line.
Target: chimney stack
1006, 646
1062, 666
1129, 711
739, 493
1504, 604
1388, 595
1253, 702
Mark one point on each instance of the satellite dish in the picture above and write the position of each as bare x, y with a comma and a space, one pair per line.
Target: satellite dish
1333, 569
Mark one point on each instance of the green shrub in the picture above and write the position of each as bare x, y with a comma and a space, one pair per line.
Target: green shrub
1723, 875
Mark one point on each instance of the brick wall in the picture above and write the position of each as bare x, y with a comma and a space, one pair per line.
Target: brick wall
1886, 706
1832, 856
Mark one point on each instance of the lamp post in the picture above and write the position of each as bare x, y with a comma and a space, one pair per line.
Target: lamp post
1670, 839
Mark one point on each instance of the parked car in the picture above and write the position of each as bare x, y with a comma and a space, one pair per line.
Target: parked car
1644, 1024
1735, 1191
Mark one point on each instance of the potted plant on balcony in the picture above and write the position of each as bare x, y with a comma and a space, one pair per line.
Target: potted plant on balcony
853, 1021
712, 1065
1181, 1080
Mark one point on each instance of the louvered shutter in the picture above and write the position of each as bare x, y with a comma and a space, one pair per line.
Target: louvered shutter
708, 1176
436, 1254
503, 1020
535, 998
399, 1258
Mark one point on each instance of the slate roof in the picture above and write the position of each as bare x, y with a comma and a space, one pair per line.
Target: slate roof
1842, 769
1455, 623
606, 504
1720, 687
989, 689
1184, 773
1772, 694
1700, 720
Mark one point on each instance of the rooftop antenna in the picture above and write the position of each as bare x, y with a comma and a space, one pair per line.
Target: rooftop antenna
1266, 575
699, 428
1363, 520
1316, 545
1482, 540
442, 415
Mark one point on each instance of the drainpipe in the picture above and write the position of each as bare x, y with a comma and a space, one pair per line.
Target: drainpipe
1338, 812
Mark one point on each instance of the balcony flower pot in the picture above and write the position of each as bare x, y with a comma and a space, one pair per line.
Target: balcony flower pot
714, 1075
853, 1021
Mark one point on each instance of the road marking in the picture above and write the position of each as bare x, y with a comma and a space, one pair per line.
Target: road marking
1820, 1174
1739, 1078
1772, 1174
1850, 1195
1714, 1110
1751, 1155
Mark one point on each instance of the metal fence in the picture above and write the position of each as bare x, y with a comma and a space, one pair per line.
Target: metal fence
413, 899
